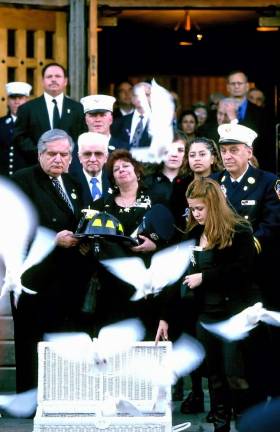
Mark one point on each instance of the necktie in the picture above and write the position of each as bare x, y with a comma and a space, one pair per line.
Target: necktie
61, 193
240, 113
234, 184
56, 116
138, 133
95, 191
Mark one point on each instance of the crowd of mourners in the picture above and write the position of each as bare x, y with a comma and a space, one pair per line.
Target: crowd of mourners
214, 185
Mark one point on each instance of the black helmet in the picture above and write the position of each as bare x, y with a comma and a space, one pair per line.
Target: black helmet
101, 224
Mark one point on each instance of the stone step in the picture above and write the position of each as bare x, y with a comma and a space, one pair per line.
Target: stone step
5, 304
7, 353
8, 379
6, 328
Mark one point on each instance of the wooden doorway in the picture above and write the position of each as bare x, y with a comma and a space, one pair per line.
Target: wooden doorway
29, 39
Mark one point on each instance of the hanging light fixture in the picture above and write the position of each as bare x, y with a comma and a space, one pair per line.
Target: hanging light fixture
186, 34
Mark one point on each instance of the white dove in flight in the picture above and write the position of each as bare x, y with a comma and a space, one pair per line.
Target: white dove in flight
18, 221
18, 226
238, 326
161, 115
186, 355
111, 339
167, 266
21, 404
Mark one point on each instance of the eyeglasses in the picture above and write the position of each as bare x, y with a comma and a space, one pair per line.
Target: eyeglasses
97, 154
237, 83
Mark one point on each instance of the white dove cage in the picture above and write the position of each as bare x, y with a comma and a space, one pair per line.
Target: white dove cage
131, 392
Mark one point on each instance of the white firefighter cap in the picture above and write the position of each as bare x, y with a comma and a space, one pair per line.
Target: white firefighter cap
18, 88
98, 103
236, 133
93, 138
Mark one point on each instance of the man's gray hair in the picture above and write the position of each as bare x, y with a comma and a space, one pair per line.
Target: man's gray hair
53, 135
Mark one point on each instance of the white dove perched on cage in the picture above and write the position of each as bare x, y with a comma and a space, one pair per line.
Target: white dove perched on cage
185, 356
238, 326
167, 266
160, 112
111, 338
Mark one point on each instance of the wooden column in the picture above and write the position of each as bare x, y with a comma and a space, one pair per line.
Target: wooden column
92, 48
77, 49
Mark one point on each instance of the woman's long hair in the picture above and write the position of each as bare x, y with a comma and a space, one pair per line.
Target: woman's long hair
221, 221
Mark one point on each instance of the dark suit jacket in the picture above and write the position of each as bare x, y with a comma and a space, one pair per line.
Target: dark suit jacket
60, 280
258, 119
255, 199
33, 121
62, 271
121, 129
116, 143
53, 212
10, 159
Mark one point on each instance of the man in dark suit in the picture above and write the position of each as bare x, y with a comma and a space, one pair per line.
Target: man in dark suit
252, 116
93, 154
98, 111
134, 128
59, 281
10, 159
51, 110
123, 94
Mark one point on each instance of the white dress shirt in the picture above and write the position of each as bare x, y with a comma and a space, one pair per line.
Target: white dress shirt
50, 105
135, 121
99, 180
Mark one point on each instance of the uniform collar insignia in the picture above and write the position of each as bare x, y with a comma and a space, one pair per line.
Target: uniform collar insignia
277, 188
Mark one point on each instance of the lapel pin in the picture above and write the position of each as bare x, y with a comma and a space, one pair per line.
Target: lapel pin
223, 178
224, 190
251, 180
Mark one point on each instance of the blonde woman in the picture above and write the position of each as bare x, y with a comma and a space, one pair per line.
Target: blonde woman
220, 279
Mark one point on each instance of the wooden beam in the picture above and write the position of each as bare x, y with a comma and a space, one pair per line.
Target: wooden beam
77, 49
45, 3
60, 42
107, 21
12, 18
92, 48
195, 4
154, 4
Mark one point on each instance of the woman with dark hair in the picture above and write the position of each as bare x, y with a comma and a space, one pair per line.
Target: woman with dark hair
129, 200
188, 123
202, 159
220, 281
160, 179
